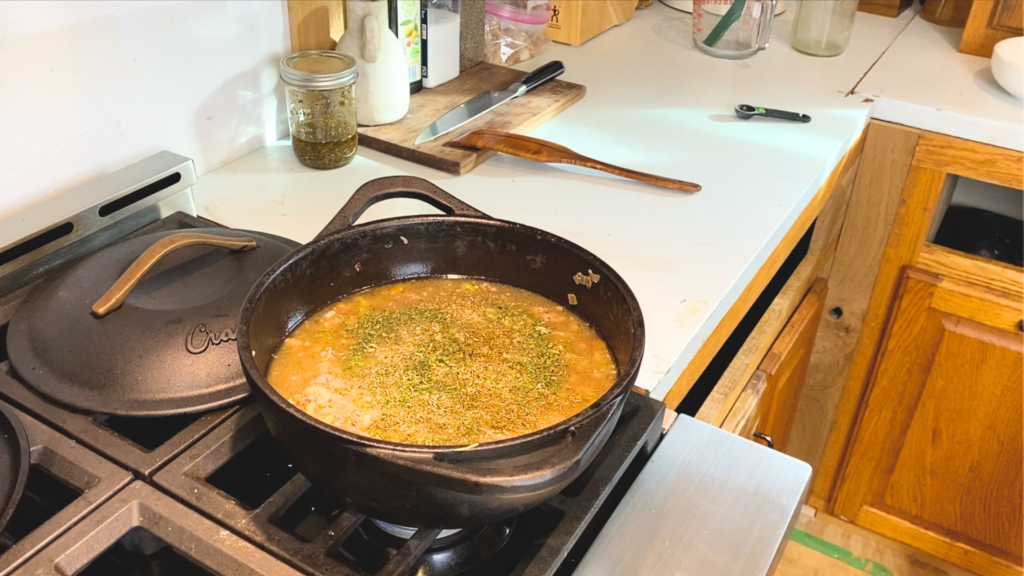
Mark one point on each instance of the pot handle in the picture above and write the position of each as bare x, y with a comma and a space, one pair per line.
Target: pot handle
396, 187
116, 295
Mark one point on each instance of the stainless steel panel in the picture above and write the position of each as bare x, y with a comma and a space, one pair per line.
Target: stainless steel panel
81, 207
708, 503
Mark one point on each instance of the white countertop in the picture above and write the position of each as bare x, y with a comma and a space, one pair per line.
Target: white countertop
653, 104
924, 82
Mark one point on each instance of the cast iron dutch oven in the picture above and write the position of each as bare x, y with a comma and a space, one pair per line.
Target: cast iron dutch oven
430, 486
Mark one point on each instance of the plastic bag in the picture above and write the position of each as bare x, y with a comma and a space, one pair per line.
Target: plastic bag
515, 30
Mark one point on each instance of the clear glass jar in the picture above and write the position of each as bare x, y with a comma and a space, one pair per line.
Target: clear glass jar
732, 29
823, 27
319, 89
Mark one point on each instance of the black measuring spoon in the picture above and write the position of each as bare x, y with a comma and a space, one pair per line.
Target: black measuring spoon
746, 112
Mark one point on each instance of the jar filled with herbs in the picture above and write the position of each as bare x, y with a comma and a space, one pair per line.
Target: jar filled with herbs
321, 107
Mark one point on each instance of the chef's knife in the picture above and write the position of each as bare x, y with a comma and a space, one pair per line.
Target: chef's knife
482, 103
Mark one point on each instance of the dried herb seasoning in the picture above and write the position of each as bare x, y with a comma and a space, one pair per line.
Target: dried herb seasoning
443, 362
325, 155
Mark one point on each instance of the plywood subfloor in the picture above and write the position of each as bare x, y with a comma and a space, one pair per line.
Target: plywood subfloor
825, 546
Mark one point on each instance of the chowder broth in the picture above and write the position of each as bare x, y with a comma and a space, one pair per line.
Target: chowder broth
442, 362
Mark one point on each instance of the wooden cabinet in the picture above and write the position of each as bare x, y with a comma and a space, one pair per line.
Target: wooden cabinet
785, 367
768, 403
890, 8
937, 457
990, 22
926, 439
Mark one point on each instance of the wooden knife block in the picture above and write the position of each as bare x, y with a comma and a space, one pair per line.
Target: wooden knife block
315, 24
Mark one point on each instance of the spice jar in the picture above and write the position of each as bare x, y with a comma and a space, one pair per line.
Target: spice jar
321, 107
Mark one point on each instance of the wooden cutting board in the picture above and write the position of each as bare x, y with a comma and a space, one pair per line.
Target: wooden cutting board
519, 115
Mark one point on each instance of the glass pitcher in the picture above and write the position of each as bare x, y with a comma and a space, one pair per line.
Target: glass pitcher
732, 29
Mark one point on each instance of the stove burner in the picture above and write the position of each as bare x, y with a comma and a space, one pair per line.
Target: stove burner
405, 532
375, 545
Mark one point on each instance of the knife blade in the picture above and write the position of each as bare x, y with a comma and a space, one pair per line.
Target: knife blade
487, 101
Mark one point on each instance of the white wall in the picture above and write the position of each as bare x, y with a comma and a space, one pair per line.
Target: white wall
87, 87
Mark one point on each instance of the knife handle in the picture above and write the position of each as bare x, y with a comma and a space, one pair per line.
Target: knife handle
549, 71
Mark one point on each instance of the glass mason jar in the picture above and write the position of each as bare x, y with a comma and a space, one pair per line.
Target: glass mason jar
321, 107
823, 27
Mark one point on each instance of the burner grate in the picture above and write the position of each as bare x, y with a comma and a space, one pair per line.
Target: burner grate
143, 445
66, 481
141, 531
239, 476
255, 473
122, 560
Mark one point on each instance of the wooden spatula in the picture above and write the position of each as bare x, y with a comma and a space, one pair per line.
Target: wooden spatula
550, 153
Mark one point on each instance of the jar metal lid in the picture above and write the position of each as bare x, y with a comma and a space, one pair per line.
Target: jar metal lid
318, 69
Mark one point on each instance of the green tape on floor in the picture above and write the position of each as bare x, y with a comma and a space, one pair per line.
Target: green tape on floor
842, 554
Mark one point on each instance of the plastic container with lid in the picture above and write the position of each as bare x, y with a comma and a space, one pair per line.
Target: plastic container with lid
515, 30
321, 107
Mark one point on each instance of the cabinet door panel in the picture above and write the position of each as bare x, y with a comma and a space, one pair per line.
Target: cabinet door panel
785, 366
991, 21
938, 454
961, 478
1008, 16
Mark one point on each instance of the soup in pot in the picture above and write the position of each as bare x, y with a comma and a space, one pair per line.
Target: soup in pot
442, 362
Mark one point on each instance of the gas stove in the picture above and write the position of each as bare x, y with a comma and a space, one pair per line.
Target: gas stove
239, 476
213, 493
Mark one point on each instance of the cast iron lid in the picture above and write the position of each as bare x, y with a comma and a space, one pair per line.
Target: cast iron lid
168, 348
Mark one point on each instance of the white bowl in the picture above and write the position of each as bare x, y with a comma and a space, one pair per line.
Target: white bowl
1008, 65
